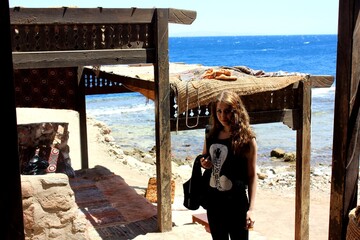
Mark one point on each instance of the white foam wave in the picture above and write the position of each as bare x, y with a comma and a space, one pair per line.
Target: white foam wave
121, 110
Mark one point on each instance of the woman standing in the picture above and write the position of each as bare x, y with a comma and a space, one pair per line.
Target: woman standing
231, 150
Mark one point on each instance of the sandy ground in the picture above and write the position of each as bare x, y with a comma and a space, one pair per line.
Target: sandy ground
274, 215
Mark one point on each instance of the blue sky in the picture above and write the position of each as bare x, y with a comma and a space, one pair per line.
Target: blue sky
229, 17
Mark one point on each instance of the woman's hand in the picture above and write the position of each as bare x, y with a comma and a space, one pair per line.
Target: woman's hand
206, 162
249, 221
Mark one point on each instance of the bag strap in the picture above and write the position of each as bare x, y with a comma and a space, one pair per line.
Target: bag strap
196, 170
207, 130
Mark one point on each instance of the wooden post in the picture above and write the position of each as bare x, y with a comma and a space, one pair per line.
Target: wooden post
81, 108
303, 136
346, 147
11, 199
162, 121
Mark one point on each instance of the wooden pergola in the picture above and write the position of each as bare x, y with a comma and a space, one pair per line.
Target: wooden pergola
60, 41
52, 45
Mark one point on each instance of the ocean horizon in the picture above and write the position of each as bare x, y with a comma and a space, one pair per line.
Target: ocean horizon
131, 116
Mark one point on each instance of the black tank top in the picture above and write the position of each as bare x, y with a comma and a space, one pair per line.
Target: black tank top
228, 168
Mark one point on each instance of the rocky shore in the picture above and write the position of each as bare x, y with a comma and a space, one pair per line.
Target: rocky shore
277, 176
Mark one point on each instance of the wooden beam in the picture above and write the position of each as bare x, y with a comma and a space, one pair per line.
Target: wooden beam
321, 81
162, 122
181, 16
73, 15
130, 81
303, 155
289, 117
49, 59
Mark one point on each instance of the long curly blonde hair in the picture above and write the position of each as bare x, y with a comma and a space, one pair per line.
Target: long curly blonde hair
240, 129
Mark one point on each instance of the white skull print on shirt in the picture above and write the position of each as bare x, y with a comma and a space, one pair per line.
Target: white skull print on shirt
218, 153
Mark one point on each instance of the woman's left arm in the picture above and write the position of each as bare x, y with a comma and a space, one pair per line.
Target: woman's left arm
252, 158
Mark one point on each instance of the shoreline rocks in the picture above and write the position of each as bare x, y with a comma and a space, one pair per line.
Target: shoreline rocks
271, 176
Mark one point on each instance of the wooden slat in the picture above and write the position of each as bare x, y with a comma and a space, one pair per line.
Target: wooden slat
321, 81
108, 82
303, 155
70, 15
139, 85
290, 117
25, 60
73, 15
181, 16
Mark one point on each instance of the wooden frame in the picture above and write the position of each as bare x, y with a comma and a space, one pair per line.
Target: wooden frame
133, 47
74, 37
347, 82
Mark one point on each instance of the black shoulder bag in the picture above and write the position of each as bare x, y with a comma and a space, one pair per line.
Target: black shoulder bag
195, 188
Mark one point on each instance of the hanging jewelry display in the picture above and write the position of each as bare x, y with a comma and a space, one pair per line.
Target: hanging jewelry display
176, 107
191, 111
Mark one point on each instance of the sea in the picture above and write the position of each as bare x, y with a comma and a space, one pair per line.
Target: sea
131, 116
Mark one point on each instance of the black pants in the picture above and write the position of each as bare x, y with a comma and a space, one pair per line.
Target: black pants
226, 214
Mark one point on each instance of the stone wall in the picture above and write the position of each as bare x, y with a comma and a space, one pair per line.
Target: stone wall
50, 210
